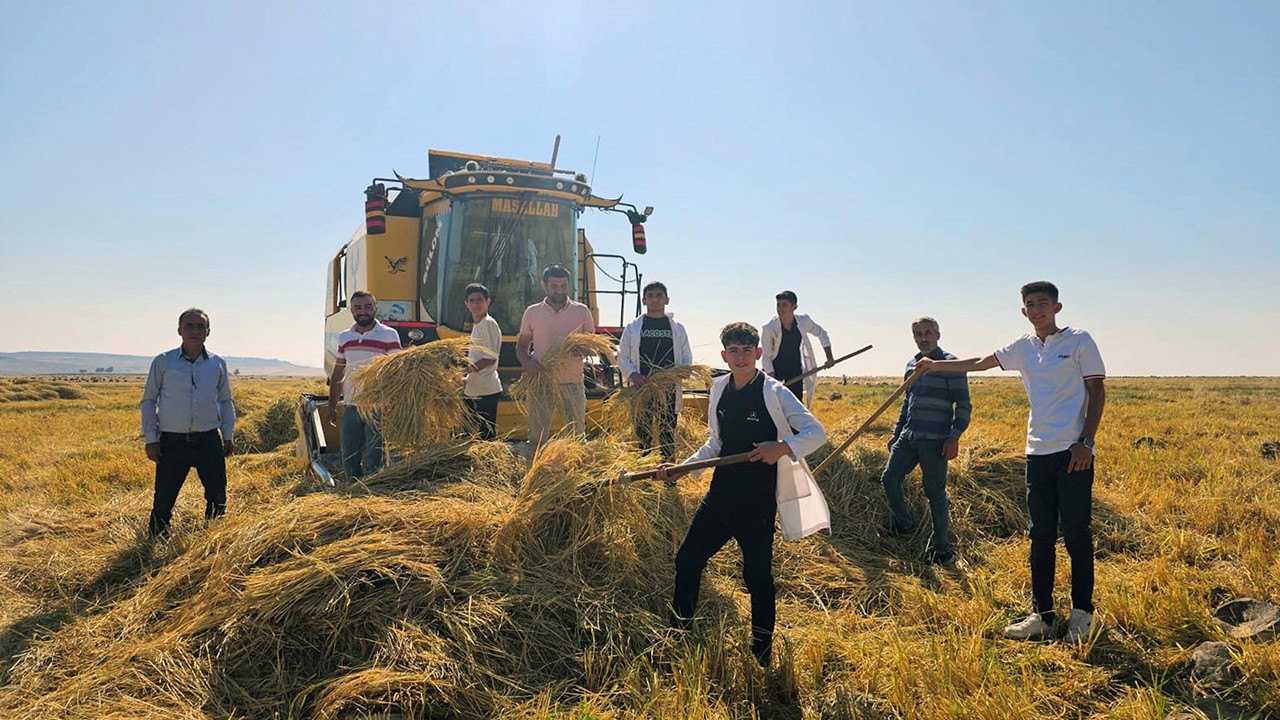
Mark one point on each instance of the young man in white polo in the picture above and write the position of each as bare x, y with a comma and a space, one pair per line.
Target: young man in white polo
1064, 378
358, 345
483, 388
653, 341
787, 350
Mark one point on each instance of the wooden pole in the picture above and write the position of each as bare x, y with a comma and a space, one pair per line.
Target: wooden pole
687, 467
814, 371
896, 393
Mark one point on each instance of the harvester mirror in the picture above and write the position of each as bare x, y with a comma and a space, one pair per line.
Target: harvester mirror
648, 210
375, 209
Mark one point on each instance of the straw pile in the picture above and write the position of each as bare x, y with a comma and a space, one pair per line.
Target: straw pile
488, 464
644, 406
415, 395
542, 383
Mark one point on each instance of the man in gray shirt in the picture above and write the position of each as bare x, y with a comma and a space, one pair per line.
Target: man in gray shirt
187, 421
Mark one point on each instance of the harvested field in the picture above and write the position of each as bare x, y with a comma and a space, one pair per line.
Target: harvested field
466, 581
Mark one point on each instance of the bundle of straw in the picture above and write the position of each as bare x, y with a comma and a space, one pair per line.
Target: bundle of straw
644, 406
542, 383
414, 396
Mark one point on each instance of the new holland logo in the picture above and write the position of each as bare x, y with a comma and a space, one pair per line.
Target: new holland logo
396, 266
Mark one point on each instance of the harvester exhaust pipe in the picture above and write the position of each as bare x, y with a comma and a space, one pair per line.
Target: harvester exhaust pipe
555, 151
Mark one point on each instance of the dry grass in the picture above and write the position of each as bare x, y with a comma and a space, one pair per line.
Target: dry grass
466, 582
415, 396
644, 406
542, 382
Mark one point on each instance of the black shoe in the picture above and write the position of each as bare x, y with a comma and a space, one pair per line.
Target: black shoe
763, 652
893, 529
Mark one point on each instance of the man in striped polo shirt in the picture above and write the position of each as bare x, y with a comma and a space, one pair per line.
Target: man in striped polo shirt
358, 345
935, 412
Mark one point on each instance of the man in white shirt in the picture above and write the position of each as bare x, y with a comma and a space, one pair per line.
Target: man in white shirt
185, 405
787, 350
358, 345
653, 341
483, 388
1063, 374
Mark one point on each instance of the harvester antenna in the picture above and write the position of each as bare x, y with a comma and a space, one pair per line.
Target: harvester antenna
593, 162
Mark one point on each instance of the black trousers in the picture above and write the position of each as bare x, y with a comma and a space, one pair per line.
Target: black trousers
485, 411
666, 432
179, 453
713, 525
1057, 498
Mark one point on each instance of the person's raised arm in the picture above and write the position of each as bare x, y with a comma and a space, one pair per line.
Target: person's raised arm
928, 365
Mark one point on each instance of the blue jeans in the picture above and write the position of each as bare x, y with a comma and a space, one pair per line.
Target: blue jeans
1060, 499
904, 456
361, 444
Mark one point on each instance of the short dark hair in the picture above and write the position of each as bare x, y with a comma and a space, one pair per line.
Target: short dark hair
555, 271
926, 320
364, 293
739, 333
786, 295
1040, 286
191, 310
655, 285
475, 288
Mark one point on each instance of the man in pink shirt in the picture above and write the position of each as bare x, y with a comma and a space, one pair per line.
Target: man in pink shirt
543, 325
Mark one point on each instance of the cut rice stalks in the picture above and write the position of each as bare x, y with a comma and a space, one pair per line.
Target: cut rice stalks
415, 396
643, 407
542, 383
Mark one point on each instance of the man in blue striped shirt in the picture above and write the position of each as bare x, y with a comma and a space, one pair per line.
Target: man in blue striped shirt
935, 412
188, 419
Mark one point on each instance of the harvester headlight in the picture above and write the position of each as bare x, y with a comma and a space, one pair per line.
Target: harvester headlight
471, 179
415, 334
472, 166
511, 181
559, 185
489, 179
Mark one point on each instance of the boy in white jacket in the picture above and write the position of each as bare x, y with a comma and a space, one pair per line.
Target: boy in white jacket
653, 341
750, 412
787, 350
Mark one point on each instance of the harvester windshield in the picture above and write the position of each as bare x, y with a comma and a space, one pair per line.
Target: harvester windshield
503, 242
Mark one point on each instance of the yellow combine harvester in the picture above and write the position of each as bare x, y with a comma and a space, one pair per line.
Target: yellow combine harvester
475, 219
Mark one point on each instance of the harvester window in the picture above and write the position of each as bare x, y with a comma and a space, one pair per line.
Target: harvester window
503, 242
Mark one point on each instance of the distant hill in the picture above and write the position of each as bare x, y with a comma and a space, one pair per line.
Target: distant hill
72, 363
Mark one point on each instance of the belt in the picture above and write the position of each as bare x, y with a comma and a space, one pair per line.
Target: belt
191, 436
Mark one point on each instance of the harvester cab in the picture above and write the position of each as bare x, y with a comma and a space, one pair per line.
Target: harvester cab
482, 219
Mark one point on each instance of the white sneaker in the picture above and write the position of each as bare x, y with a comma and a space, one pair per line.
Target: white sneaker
1079, 625
1029, 628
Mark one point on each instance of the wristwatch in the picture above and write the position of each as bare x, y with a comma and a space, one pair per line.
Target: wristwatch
1087, 442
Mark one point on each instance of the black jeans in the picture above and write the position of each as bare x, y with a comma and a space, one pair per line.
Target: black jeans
179, 452
712, 526
485, 410
666, 432
1056, 498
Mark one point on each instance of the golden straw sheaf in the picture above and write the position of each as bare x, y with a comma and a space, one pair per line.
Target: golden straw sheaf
542, 382
415, 395
642, 406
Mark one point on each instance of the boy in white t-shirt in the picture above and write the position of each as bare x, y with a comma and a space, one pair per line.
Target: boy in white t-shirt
483, 388
1063, 374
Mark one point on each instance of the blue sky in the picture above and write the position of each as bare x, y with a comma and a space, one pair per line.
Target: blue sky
883, 160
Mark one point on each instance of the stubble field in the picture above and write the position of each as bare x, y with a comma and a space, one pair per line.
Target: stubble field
466, 582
